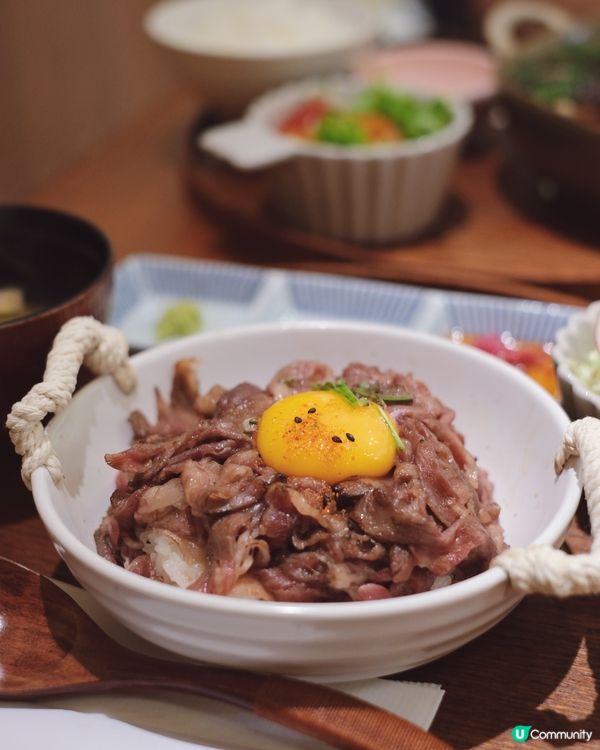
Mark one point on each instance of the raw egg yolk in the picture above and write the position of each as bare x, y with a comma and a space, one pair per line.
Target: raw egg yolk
320, 434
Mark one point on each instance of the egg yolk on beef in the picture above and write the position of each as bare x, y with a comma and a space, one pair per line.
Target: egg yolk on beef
320, 434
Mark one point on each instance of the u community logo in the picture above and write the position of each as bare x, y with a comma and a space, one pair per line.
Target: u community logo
524, 732
520, 733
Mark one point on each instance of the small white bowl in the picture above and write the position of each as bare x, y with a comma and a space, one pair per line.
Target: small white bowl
228, 75
511, 424
573, 343
373, 193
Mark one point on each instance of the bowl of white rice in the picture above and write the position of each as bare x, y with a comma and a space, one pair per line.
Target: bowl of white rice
232, 50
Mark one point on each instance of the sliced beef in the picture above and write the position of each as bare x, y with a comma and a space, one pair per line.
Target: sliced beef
146, 459
297, 377
195, 479
241, 404
279, 517
316, 576
155, 501
230, 549
107, 537
198, 479
206, 404
184, 390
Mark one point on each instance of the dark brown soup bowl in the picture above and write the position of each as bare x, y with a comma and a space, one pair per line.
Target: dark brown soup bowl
64, 267
554, 147
565, 149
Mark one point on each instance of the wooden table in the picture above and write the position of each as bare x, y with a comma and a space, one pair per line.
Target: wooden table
541, 665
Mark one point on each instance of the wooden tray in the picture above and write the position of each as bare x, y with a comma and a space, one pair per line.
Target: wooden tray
494, 235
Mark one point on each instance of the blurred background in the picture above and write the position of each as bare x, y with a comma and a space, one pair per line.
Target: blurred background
73, 72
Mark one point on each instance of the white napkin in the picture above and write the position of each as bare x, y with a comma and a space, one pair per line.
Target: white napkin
173, 721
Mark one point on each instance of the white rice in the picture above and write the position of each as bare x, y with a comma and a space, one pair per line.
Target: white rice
268, 27
176, 560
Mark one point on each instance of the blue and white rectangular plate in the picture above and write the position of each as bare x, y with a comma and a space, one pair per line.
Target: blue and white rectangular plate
231, 295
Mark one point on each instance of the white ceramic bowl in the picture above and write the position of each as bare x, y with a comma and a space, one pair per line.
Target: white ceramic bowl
227, 77
511, 424
573, 343
376, 193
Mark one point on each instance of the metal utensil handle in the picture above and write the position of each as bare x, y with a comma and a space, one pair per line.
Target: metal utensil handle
81, 340
542, 569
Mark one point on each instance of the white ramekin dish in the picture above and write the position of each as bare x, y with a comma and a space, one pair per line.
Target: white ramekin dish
573, 343
227, 77
511, 424
371, 194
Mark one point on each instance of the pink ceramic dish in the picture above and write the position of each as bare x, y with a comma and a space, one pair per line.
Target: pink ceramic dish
459, 70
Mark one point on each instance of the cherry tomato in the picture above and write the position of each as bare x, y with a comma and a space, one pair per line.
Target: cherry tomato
303, 121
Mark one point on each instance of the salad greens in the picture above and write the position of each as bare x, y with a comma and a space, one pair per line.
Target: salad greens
377, 114
568, 70
342, 128
414, 117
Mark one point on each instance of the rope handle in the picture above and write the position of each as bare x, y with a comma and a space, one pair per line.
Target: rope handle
542, 569
81, 340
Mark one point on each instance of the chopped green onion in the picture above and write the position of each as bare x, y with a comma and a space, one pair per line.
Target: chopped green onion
400, 445
341, 388
346, 392
363, 395
373, 394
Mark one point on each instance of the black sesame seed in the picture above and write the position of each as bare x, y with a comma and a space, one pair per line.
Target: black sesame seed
312, 410
282, 478
350, 437
297, 420
336, 439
